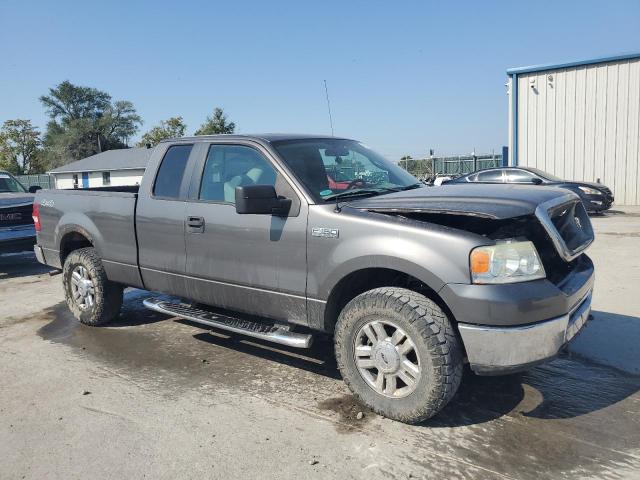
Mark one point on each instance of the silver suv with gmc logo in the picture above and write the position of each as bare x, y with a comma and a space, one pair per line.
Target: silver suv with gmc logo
280, 237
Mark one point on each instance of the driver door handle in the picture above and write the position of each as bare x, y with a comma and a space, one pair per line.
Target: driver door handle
195, 224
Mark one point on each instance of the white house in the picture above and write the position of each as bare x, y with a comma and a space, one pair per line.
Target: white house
579, 121
113, 167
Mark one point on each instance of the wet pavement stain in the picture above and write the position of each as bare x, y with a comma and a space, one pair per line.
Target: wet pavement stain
348, 410
566, 418
178, 353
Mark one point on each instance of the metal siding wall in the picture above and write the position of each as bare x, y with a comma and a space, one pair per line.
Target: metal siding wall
558, 146
569, 123
584, 125
633, 132
592, 140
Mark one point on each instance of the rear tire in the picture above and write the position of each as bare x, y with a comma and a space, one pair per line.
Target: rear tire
92, 298
416, 351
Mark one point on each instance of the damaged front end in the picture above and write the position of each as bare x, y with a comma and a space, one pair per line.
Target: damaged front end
559, 228
510, 313
507, 327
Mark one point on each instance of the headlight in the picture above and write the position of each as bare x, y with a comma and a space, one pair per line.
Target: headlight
507, 262
589, 191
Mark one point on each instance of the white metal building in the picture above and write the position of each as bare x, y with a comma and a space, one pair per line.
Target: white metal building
113, 167
579, 121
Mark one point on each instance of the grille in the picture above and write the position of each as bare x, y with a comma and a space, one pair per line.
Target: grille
16, 215
573, 225
567, 223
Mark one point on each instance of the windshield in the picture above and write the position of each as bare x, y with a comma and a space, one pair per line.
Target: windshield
545, 175
9, 184
328, 167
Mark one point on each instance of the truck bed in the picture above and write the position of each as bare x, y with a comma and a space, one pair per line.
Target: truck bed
105, 215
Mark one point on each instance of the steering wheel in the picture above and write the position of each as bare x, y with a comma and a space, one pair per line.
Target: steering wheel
356, 182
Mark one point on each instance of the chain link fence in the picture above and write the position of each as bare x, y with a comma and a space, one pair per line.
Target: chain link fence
42, 180
455, 165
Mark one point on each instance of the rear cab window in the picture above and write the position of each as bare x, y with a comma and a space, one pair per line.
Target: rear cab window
171, 172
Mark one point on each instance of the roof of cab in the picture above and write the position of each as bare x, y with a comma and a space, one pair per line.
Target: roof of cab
265, 137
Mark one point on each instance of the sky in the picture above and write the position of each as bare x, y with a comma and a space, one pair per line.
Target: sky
404, 77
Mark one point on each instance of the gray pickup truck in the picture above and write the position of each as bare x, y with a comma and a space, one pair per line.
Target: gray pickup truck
281, 237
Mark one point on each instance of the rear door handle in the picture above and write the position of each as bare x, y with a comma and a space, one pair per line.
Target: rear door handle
195, 224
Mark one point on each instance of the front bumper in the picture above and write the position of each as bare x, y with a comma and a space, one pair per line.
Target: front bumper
499, 350
597, 203
510, 327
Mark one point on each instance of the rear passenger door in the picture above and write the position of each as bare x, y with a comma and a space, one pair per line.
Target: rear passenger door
160, 221
251, 263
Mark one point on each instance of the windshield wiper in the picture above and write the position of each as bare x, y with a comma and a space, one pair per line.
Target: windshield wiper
362, 192
402, 189
369, 191
354, 193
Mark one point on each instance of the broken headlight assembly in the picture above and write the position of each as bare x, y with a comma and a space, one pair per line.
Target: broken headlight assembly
509, 261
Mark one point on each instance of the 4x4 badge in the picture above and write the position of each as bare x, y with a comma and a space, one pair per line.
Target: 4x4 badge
325, 232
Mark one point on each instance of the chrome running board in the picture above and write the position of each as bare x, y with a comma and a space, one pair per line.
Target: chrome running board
265, 331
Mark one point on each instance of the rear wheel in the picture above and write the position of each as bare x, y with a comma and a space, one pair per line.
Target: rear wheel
91, 297
398, 353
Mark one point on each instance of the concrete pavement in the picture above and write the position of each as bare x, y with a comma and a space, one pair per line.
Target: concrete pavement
151, 397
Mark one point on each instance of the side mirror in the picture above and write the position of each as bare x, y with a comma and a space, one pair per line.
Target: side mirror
536, 181
34, 188
261, 200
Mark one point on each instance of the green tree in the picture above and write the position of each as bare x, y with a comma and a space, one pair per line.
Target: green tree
216, 124
171, 128
20, 147
84, 121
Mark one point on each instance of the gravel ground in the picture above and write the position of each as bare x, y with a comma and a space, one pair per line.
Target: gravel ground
161, 398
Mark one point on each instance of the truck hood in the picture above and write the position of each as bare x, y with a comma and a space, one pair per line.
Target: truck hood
487, 201
14, 199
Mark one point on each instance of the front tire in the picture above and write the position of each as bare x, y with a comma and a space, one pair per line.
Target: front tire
398, 353
92, 298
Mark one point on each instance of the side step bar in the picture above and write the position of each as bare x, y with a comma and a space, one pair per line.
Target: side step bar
265, 331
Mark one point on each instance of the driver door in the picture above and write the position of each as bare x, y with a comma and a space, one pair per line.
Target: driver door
250, 263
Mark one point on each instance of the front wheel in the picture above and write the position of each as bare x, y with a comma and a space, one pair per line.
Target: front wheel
398, 353
91, 297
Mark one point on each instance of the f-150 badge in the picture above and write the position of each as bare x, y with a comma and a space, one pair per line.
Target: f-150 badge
325, 232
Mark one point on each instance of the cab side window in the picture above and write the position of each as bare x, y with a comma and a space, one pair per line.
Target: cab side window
231, 166
171, 171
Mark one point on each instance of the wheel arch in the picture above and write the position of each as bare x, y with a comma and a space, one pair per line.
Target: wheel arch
74, 239
364, 279
76, 230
